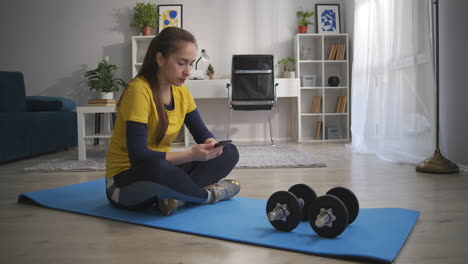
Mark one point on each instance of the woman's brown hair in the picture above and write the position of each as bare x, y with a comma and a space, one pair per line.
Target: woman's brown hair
166, 42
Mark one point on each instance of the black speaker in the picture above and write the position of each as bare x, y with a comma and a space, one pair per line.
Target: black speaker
333, 81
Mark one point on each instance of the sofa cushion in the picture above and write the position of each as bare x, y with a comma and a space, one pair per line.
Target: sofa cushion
12, 93
43, 106
30, 133
49, 103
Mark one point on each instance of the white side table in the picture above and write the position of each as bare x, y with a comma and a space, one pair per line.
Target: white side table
81, 111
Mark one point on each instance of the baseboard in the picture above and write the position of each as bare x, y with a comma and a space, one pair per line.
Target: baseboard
463, 168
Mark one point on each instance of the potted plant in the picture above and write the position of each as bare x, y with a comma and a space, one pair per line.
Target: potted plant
210, 71
145, 17
302, 20
288, 67
103, 81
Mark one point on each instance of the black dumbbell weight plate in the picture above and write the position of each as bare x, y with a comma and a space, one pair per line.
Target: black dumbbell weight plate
293, 219
349, 199
339, 211
305, 193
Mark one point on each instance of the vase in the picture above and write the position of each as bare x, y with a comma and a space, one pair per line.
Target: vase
302, 29
108, 96
147, 31
101, 95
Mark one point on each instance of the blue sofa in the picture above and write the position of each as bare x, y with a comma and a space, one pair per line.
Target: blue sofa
31, 125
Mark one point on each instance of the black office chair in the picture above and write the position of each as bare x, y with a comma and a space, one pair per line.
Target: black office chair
252, 86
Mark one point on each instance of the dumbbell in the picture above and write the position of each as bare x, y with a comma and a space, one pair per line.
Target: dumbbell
330, 214
286, 209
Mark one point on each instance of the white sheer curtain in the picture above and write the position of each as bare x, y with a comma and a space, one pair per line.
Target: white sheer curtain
393, 82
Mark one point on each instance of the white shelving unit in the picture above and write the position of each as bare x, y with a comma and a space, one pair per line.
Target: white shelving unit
139, 46
82, 136
312, 59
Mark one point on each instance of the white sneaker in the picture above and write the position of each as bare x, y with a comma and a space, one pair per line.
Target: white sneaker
223, 190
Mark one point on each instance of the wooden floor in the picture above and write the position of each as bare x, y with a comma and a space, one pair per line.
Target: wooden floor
32, 234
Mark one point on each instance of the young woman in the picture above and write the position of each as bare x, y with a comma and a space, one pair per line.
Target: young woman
141, 169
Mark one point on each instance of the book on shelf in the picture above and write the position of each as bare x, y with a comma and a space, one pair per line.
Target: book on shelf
343, 51
341, 104
332, 52
318, 130
337, 52
338, 104
316, 104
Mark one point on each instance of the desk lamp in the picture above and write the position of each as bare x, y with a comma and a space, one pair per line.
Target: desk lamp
198, 74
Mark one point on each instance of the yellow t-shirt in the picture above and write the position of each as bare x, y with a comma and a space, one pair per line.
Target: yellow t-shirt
137, 104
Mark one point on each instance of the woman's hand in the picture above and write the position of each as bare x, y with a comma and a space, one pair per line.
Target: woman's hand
210, 141
213, 142
200, 152
206, 151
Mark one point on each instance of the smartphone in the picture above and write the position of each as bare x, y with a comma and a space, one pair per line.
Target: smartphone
222, 143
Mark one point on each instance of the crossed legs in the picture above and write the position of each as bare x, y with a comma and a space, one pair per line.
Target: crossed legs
152, 180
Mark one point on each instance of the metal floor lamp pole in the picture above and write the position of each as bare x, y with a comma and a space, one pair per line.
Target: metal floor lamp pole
437, 163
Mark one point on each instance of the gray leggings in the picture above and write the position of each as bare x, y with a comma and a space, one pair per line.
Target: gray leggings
142, 185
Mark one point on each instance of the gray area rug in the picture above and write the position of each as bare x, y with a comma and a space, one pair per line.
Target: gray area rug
280, 156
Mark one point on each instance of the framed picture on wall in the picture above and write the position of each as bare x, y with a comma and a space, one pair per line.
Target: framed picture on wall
170, 16
328, 18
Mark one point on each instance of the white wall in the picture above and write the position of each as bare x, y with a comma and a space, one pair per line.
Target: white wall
53, 42
453, 58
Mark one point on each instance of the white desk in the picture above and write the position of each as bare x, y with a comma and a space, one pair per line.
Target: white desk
81, 111
202, 89
211, 89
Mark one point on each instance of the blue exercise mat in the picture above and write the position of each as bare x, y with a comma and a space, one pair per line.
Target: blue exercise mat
377, 234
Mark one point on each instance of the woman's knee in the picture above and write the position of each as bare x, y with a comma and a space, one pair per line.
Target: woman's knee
230, 153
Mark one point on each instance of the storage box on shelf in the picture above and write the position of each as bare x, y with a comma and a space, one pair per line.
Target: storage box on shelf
323, 68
